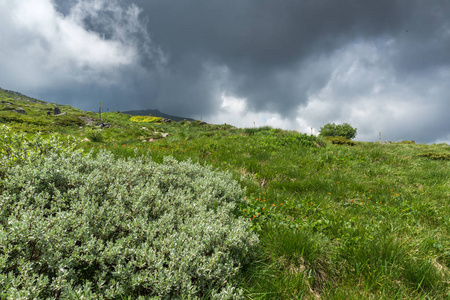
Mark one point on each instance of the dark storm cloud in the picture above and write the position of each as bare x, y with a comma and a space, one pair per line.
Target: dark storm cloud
259, 40
382, 65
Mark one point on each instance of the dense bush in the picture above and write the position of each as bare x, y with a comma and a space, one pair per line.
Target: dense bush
340, 140
8, 107
74, 225
252, 131
435, 156
10, 118
94, 135
332, 129
66, 121
18, 118
271, 138
407, 142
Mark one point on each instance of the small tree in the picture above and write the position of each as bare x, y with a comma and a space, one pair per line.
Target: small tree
332, 129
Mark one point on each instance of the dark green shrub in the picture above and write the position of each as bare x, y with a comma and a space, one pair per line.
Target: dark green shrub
8, 108
270, 138
95, 136
435, 156
332, 129
79, 226
260, 130
30, 128
66, 121
27, 121
340, 140
8, 118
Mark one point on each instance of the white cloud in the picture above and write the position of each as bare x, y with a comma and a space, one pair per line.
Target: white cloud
234, 111
42, 48
364, 90
233, 105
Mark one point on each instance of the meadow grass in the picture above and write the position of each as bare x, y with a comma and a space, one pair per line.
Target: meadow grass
369, 221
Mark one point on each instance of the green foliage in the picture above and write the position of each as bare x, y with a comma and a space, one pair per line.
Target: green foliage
435, 156
95, 135
270, 138
303, 250
340, 140
66, 121
22, 119
15, 147
74, 225
407, 142
252, 131
332, 129
8, 108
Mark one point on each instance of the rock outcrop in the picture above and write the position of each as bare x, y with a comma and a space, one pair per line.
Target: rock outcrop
20, 110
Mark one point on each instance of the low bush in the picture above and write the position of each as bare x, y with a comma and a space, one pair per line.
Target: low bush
332, 129
85, 226
95, 135
270, 138
11, 118
66, 121
252, 131
8, 108
435, 156
340, 140
32, 129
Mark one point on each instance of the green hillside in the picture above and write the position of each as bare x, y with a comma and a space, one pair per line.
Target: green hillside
34, 116
193, 210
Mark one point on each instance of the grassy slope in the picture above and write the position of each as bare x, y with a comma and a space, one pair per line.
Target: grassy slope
364, 222
367, 221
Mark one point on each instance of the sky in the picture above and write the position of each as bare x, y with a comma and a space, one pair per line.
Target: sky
381, 66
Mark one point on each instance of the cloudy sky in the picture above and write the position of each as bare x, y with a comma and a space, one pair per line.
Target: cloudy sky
382, 66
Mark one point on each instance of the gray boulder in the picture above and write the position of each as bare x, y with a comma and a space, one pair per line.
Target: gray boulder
103, 125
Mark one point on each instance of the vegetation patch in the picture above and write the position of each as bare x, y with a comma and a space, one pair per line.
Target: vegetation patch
340, 140
435, 156
145, 119
332, 129
334, 222
94, 226
66, 121
95, 135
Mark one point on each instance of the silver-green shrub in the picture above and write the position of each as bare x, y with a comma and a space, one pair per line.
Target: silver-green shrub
94, 226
